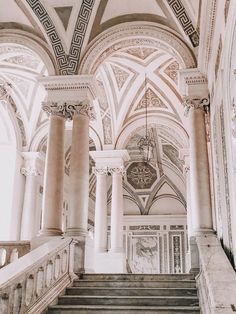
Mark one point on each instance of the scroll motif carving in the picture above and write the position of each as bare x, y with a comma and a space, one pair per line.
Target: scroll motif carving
195, 103
101, 170
69, 108
30, 171
117, 170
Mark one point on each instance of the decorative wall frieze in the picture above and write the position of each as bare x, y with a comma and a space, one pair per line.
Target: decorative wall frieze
71, 87
67, 109
195, 103
67, 63
185, 21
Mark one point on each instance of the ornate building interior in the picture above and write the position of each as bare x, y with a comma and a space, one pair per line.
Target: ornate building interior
117, 145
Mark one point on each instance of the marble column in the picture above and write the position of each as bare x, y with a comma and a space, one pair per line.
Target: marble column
79, 171
201, 211
31, 170
100, 234
117, 210
54, 171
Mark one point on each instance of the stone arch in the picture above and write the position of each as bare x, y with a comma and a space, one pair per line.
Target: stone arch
32, 42
125, 34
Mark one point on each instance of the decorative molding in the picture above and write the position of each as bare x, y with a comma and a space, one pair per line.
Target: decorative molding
68, 64
233, 118
81, 85
5, 91
207, 26
185, 21
68, 109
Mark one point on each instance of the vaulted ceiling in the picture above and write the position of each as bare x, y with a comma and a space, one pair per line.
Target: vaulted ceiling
129, 71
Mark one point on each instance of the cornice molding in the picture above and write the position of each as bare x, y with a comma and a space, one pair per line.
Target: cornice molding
83, 84
207, 25
193, 83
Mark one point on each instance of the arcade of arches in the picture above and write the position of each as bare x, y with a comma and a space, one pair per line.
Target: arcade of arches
76, 81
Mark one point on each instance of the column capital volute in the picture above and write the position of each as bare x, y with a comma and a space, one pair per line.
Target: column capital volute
67, 109
67, 95
196, 102
32, 164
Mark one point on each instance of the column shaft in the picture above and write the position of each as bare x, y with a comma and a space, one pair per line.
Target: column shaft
100, 238
54, 178
79, 177
199, 171
29, 208
117, 213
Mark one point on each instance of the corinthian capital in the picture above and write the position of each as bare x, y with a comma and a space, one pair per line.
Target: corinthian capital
117, 170
100, 170
30, 171
67, 109
86, 109
195, 102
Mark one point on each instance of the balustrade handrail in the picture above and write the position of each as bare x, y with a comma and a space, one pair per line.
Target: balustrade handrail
33, 281
12, 250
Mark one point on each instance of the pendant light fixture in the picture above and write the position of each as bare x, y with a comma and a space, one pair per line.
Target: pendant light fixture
145, 144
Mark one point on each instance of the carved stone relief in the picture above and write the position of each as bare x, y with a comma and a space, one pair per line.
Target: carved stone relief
141, 175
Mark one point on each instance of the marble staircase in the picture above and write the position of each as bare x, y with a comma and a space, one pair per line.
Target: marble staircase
129, 293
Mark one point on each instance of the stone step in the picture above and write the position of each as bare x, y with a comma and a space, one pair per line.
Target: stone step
130, 291
136, 283
129, 300
139, 277
107, 309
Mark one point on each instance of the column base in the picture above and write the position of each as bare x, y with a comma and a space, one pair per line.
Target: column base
76, 232
202, 232
40, 240
193, 264
50, 232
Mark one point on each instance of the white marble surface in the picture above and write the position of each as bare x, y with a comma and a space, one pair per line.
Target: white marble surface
217, 278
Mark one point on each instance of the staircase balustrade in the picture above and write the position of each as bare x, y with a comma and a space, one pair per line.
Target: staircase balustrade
11, 251
35, 280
